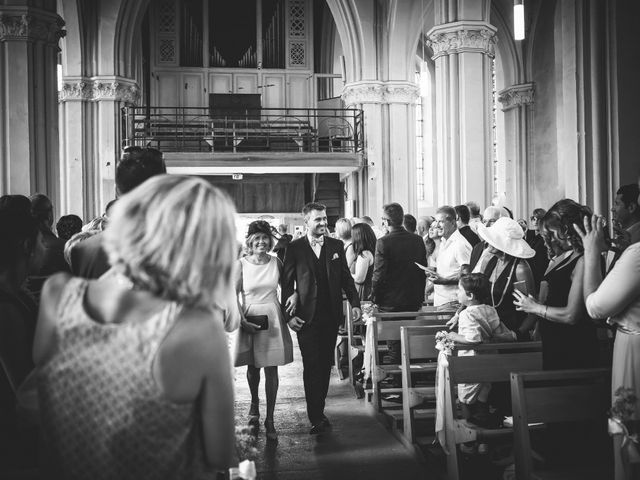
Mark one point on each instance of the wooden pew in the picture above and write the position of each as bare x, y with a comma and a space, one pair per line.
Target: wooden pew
419, 355
494, 366
386, 326
556, 396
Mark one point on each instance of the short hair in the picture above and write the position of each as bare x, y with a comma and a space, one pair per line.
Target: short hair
448, 211
395, 213
538, 213
136, 165
158, 240
463, 212
18, 203
477, 284
364, 238
249, 242
409, 222
629, 194
343, 229
493, 211
42, 208
17, 227
283, 227
312, 206
561, 217
74, 240
368, 220
68, 225
474, 208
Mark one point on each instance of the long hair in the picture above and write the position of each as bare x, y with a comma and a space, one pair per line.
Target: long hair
560, 218
363, 238
157, 238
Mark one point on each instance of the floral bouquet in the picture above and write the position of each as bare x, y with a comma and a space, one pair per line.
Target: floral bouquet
621, 413
367, 312
444, 342
246, 450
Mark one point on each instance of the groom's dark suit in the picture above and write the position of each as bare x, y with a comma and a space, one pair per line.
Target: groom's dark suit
319, 283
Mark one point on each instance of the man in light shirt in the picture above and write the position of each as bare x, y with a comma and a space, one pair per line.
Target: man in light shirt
454, 252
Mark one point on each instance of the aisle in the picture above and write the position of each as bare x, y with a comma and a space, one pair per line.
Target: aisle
358, 447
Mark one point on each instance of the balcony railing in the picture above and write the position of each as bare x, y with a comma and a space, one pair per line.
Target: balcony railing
246, 130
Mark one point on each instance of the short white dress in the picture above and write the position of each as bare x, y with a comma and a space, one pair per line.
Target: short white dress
273, 346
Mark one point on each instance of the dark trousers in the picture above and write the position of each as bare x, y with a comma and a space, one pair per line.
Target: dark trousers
317, 342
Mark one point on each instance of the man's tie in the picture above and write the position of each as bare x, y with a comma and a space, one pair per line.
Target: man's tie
317, 241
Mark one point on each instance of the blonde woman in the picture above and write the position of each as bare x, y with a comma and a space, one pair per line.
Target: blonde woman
134, 369
263, 340
343, 233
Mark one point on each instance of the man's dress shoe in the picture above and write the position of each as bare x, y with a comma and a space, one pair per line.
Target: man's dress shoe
322, 426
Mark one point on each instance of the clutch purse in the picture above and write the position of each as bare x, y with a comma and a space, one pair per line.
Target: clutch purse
261, 320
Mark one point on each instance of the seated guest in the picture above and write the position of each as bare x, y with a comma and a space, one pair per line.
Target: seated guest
68, 226
568, 334
137, 164
53, 247
409, 223
463, 216
134, 368
454, 252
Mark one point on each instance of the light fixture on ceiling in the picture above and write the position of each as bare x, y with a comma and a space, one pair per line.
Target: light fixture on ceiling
518, 19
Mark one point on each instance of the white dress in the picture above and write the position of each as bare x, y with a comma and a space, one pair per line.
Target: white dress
273, 346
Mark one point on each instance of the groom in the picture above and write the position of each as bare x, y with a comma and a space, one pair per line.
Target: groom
316, 268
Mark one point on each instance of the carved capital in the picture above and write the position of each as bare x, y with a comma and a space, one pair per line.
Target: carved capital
31, 25
95, 89
516, 96
380, 92
462, 37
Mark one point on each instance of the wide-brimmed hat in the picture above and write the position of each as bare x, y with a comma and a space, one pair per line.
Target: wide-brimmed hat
259, 226
507, 236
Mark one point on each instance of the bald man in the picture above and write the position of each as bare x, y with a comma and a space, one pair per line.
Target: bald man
489, 217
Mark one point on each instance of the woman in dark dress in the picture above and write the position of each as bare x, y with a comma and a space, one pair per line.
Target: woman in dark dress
364, 247
568, 335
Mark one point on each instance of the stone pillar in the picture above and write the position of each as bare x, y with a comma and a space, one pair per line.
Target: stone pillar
91, 139
28, 100
517, 102
463, 52
390, 142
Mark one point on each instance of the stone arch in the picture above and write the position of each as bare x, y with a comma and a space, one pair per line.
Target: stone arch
349, 28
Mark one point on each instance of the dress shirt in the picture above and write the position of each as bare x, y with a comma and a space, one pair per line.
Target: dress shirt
316, 247
618, 296
454, 252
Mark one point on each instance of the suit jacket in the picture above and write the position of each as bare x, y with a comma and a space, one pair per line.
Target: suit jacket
88, 258
299, 276
397, 281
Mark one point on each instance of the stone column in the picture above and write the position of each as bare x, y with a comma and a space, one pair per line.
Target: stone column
28, 100
463, 52
390, 142
91, 139
517, 102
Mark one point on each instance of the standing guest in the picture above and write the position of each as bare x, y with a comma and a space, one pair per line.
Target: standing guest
53, 253
75, 240
364, 246
523, 225
490, 216
626, 217
476, 218
268, 343
378, 231
316, 268
454, 252
423, 226
463, 216
568, 335
616, 298
137, 164
343, 233
134, 371
283, 242
398, 283
540, 261
68, 226
409, 223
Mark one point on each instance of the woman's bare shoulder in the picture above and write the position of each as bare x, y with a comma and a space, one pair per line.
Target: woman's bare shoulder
199, 333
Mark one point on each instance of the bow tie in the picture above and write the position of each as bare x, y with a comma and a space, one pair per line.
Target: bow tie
317, 241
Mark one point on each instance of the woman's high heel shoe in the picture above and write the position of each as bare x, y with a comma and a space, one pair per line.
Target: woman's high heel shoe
272, 435
254, 416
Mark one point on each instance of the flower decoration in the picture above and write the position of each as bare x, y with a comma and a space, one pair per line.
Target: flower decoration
621, 413
246, 443
444, 342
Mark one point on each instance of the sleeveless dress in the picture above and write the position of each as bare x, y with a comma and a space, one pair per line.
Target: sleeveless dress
102, 412
273, 346
566, 346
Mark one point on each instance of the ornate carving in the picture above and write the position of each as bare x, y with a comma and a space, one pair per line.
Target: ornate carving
95, 90
459, 37
26, 26
516, 96
380, 92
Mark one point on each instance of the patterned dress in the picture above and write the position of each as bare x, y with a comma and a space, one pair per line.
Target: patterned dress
273, 346
103, 414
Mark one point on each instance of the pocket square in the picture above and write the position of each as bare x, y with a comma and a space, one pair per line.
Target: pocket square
335, 256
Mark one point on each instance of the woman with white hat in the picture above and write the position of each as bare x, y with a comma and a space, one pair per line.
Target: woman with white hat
503, 262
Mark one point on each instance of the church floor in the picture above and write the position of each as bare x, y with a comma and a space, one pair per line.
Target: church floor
359, 447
